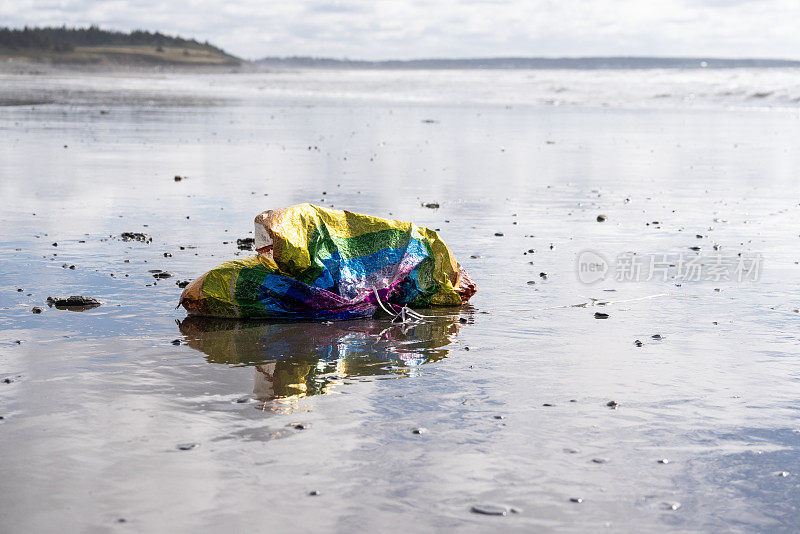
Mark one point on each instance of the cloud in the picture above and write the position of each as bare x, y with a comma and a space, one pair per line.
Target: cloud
380, 29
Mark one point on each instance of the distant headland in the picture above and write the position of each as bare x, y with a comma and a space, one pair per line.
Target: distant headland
94, 46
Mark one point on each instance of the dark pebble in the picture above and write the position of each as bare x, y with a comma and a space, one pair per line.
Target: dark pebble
547, 404
664, 461
122, 520
176, 341
638, 343
462, 320
242, 400
656, 336
600, 315
182, 283
419, 430
694, 248
167, 255
600, 460
577, 500
186, 446
489, 509
162, 275
498, 234
601, 218
36, 309
543, 275
531, 282
432, 205
314, 493
178, 178
299, 426
612, 404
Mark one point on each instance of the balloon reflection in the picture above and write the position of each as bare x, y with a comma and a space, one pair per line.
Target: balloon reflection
293, 360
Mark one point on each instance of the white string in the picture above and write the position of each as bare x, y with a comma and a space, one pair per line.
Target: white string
405, 315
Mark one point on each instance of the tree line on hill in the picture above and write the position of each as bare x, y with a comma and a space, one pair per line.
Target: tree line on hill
63, 39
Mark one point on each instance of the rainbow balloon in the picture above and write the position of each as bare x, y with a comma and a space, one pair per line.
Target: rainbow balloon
317, 263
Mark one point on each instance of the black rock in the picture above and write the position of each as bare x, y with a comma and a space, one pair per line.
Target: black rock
656, 336
601, 218
547, 404
577, 500
74, 303
419, 430
432, 205
36, 309
600, 315
638, 343
176, 341
314, 493
245, 243
182, 283
612, 404
162, 274
136, 236
498, 234
543, 275
178, 178
187, 446
462, 320
531, 282
600, 460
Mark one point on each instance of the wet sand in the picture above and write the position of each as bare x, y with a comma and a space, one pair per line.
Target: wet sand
107, 425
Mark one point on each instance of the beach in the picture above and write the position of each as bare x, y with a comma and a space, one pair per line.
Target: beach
677, 411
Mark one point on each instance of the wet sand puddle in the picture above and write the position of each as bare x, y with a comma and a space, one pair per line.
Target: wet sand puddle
634, 401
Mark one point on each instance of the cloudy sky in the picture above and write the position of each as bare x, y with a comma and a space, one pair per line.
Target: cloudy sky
381, 29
